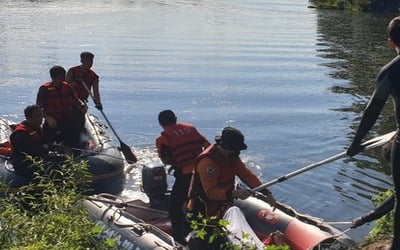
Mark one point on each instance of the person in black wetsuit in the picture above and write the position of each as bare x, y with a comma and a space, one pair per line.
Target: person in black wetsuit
387, 84
384, 208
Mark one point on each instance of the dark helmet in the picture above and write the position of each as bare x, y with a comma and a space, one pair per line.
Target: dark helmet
231, 139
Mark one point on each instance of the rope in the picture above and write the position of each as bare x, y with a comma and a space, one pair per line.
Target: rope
338, 222
341, 233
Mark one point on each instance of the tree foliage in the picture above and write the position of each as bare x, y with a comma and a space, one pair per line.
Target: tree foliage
358, 5
49, 212
215, 231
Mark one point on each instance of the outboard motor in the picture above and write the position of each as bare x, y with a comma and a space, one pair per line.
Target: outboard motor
154, 184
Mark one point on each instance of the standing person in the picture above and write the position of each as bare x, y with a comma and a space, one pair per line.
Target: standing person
27, 140
83, 80
387, 84
82, 74
212, 188
179, 145
57, 98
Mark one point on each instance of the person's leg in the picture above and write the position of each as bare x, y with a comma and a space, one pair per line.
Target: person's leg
395, 159
72, 129
177, 199
49, 134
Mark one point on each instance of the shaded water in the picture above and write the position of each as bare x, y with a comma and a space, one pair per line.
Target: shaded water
293, 79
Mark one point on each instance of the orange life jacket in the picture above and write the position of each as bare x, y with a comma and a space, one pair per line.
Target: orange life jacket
228, 170
77, 80
185, 144
198, 201
33, 148
56, 102
35, 135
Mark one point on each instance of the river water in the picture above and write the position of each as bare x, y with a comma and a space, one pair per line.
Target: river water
295, 81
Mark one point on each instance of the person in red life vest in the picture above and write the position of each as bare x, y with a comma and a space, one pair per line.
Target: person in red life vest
82, 74
57, 98
179, 145
27, 139
214, 179
83, 80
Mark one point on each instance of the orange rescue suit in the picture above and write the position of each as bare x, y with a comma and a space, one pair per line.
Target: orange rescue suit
216, 174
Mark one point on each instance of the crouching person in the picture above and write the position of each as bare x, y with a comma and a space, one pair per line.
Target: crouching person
27, 143
212, 189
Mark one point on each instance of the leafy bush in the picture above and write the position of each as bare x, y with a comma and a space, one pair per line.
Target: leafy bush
383, 225
214, 230
49, 212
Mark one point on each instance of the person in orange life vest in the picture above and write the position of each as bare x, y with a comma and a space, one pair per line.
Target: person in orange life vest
78, 75
57, 98
27, 139
178, 146
216, 168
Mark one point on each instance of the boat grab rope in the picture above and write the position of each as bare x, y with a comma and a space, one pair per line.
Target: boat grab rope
137, 227
121, 204
338, 222
93, 152
341, 233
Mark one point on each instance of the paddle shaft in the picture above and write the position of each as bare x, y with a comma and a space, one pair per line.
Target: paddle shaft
95, 153
370, 144
130, 157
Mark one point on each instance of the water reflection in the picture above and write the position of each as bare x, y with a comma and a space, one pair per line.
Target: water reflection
357, 48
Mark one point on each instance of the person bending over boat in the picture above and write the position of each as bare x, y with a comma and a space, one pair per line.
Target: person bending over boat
27, 139
387, 84
83, 79
57, 98
212, 188
179, 145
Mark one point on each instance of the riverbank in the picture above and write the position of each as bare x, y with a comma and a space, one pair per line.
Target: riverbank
381, 244
362, 5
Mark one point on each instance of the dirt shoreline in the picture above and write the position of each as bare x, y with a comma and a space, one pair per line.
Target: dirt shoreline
382, 244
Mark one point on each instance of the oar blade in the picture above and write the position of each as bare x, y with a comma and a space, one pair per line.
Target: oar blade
129, 156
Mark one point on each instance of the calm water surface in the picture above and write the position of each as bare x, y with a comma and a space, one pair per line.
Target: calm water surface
293, 79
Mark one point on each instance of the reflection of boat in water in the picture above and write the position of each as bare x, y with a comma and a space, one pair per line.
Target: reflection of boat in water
140, 225
105, 161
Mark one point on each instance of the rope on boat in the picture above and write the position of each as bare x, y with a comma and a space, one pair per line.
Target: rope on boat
105, 176
342, 233
121, 204
143, 225
338, 222
96, 153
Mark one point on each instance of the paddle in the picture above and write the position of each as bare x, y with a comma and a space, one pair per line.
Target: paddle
370, 144
125, 149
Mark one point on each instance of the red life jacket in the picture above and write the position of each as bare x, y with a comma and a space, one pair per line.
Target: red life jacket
35, 135
78, 77
56, 102
185, 144
32, 147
